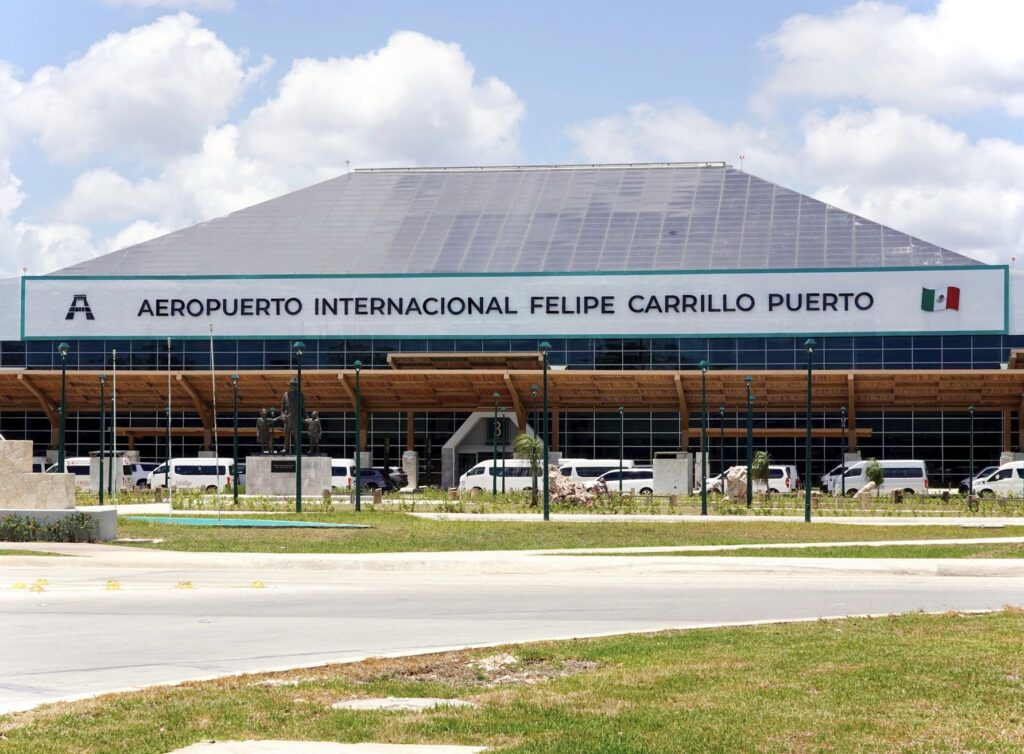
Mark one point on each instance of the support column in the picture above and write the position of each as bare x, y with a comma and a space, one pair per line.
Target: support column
684, 414
364, 430
555, 425
851, 413
410, 430
1007, 433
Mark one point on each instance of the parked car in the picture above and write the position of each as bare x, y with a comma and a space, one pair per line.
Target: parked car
140, 474
910, 477
985, 473
714, 484
194, 473
398, 477
343, 471
485, 477
81, 467
579, 470
633, 480
779, 480
1007, 480
796, 483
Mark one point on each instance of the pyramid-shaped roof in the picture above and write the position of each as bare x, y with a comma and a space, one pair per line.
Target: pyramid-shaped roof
674, 216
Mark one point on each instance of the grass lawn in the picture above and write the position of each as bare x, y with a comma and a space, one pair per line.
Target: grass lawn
399, 532
990, 550
913, 683
31, 552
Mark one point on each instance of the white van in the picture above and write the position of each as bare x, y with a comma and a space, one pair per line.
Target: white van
194, 473
779, 480
1007, 480
80, 467
581, 471
910, 477
516, 472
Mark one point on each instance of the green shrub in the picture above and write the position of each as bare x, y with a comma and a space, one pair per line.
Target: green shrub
875, 473
78, 527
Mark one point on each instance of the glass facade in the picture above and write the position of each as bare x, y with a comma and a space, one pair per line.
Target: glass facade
939, 438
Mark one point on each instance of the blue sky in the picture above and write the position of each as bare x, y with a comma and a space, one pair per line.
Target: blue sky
124, 119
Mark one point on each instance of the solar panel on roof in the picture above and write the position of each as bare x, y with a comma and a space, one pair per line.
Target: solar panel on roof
554, 219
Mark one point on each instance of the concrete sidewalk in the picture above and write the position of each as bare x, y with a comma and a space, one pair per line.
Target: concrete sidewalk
971, 521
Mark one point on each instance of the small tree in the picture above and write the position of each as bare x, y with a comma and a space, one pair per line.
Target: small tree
532, 449
759, 468
875, 473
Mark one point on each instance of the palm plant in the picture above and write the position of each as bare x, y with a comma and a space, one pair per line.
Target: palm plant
532, 449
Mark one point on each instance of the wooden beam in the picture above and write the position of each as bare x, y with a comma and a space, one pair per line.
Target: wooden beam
851, 410
517, 404
1007, 435
555, 422
349, 390
202, 408
684, 413
410, 430
364, 428
48, 408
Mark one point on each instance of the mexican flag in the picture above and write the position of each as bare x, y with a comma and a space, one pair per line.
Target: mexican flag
935, 300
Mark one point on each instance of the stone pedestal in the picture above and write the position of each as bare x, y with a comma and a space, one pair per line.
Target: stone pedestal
673, 473
411, 467
94, 473
275, 475
23, 489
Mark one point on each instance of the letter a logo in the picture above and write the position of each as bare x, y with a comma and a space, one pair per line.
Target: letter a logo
79, 304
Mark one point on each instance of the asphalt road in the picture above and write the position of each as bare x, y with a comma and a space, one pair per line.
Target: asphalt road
76, 638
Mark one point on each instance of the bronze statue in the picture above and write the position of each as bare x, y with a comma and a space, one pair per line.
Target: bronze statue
265, 432
315, 432
273, 420
291, 410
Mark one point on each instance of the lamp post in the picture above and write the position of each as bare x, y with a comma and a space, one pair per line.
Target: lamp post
234, 435
721, 439
533, 421
299, 348
359, 470
504, 411
842, 467
809, 344
703, 438
63, 349
545, 349
622, 437
103, 429
494, 448
750, 439
970, 479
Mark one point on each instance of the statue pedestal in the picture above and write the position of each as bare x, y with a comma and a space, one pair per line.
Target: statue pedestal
275, 475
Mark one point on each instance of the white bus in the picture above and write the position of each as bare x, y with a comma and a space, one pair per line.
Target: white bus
516, 471
910, 477
194, 473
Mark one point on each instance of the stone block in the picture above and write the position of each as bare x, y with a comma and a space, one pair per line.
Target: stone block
22, 489
15, 456
275, 475
411, 467
673, 474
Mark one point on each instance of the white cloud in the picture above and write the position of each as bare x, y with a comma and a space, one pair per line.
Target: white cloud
412, 102
152, 92
677, 133
966, 55
921, 176
175, 4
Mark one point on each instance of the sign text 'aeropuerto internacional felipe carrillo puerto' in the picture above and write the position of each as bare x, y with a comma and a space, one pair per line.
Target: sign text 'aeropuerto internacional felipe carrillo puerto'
895, 300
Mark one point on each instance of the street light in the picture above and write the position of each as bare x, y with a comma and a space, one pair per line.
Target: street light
103, 429
622, 433
545, 348
750, 440
234, 468
703, 438
533, 421
970, 480
494, 448
504, 413
63, 350
842, 468
299, 348
809, 344
721, 439
359, 470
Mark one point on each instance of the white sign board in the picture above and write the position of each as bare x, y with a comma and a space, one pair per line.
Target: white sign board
792, 302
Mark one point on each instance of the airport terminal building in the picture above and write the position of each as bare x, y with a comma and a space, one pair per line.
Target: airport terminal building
442, 283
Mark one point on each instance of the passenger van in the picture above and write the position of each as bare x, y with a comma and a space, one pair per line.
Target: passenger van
580, 471
80, 467
516, 474
779, 480
194, 473
1007, 480
910, 477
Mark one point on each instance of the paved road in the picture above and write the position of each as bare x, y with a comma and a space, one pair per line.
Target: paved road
77, 639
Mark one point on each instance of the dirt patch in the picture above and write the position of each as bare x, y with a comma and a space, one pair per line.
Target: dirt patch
460, 669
